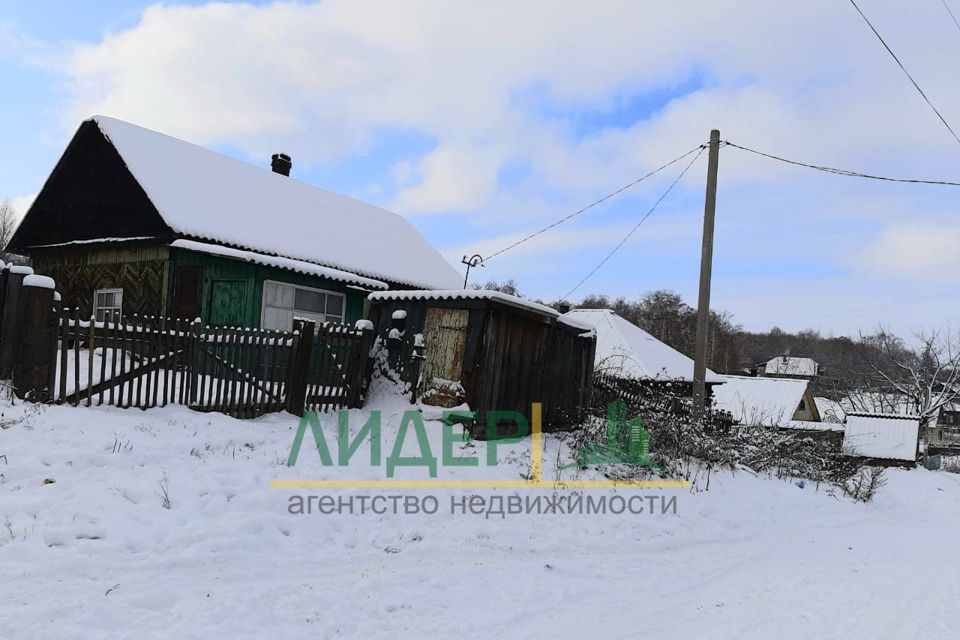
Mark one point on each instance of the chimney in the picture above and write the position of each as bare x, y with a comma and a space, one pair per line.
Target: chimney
281, 163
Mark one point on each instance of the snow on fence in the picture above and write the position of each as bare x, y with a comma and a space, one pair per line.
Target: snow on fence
144, 361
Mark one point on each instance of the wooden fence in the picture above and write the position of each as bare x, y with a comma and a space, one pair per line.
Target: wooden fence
146, 362
139, 361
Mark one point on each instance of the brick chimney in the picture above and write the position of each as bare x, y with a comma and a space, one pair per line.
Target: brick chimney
281, 163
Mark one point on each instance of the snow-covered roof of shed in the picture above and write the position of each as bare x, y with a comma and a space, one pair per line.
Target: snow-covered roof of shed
298, 266
891, 437
830, 410
626, 350
792, 366
763, 402
209, 196
467, 294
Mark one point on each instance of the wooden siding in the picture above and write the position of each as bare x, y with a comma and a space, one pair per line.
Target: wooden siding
443, 356
512, 357
90, 194
141, 271
247, 288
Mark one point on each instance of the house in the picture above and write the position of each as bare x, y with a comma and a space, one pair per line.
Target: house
943, 434
791, 367
488, 349
626, 351
135, 221
882, 438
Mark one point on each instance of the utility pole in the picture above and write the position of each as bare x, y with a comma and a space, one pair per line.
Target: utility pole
706, 267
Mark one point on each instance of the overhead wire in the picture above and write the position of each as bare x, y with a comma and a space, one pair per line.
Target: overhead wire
595, 203
950, 11
840, 172
636, 226
907, 73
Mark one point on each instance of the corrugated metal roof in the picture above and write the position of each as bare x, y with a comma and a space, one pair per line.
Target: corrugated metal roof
884, 436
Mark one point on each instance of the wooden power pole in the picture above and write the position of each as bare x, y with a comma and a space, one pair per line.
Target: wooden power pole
706, 267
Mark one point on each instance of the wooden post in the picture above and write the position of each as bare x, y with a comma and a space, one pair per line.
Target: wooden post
32, 362
10, 323
299, 363
706, 267
357, 365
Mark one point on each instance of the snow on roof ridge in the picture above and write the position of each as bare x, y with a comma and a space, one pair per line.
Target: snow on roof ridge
206, 195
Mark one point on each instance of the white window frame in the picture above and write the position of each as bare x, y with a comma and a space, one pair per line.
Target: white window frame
263, 302
118, 291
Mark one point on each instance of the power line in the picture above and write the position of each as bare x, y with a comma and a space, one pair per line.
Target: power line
637, 226
839, 172
593, 204
950, 11
917, 86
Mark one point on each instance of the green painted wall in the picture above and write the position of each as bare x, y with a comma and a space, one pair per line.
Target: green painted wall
244, 283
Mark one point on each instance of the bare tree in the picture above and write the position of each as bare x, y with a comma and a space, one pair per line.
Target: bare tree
923, 379
8, 224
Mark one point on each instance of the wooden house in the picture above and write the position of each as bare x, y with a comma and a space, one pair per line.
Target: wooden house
134, 221
490, 350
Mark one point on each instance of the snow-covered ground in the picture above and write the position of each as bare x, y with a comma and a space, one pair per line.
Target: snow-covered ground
94, 554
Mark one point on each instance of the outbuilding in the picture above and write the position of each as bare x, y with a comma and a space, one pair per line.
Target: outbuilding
490, 350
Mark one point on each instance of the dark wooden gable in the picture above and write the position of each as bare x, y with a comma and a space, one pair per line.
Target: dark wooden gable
90, 194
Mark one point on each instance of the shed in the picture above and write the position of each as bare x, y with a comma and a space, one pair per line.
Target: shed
884, 437
767, 402
494, 351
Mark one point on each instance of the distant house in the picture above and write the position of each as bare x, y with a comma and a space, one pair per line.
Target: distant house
887, 438
791, 367
772, 402
134, 221
943, 434
626, 351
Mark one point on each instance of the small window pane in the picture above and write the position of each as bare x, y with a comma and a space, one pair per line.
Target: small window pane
309, 300
286, 296
277, 319
270, 294
335, 305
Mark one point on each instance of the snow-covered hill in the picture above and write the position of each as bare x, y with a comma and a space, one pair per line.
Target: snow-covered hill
95, 553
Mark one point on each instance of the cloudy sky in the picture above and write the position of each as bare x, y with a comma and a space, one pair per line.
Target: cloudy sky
483, 121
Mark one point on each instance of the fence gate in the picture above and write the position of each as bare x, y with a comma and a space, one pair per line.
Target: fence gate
56, 355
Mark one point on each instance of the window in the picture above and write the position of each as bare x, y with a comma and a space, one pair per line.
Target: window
107, 304
284, 302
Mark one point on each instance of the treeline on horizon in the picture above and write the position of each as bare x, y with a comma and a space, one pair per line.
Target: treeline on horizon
730, 349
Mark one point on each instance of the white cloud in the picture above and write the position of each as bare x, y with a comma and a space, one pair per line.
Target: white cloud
322, 80
928, 251
500, 85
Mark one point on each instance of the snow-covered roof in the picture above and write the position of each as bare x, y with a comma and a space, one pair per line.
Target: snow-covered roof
890, 437
791, 366
465, 294
626, 350
830, 410
282, 263
764, 402
205, 195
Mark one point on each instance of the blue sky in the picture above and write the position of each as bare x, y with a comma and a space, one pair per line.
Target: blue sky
482, 122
